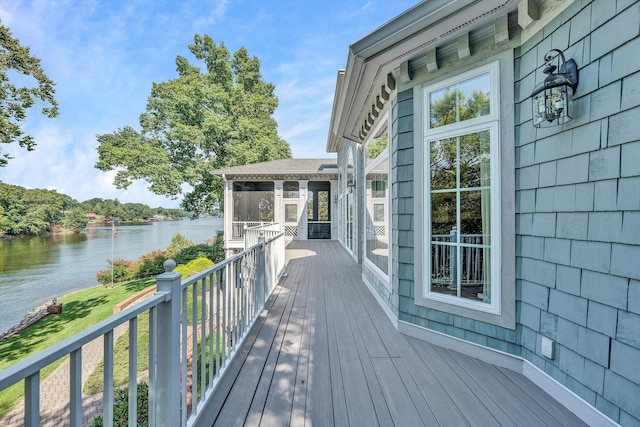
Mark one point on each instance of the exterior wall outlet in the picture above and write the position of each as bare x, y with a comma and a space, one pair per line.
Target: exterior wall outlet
547, 348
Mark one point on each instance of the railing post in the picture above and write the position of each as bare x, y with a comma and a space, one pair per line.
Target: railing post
261, 269
167, 393
453, 258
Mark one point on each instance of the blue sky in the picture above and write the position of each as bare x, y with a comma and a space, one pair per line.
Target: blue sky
105, 54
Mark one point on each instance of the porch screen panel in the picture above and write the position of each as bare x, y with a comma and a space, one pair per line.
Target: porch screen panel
460, 200
253, 202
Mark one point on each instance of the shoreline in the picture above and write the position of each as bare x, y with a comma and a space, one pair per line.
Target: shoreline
31, 317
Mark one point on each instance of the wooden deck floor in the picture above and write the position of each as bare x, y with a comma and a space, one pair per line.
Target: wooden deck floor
325, 354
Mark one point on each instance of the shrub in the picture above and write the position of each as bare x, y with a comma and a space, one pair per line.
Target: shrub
121, 407
182, 269
213, 252
199, 264
151, 264
121, 271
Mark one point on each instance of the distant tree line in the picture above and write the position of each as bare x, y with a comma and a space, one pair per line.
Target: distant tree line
36, 211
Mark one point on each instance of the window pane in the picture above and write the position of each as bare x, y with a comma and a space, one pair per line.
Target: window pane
475, 215
291, 213
475, 160
459, 102
378, 213
291, 190
443, 213
310, 205
323, 206
476, 274
377, 146
378, 189
441, 266
444, 153
377, 222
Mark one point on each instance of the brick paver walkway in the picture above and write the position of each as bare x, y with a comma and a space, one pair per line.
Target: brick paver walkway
55, 390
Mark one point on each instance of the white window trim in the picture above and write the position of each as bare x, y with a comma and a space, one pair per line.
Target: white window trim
381, 275
505, 111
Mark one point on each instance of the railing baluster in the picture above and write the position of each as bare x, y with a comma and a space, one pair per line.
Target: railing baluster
225, 313
32, 400
194, 347
183, 359
203, 336
75, 387
107, 398
219, 327
152, 363
133, 372
211, 330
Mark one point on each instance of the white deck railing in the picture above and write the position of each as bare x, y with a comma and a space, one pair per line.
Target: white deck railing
195, 327
444, 259
267, 231
238, 228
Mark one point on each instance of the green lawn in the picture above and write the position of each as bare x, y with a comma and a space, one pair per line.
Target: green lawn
80, 310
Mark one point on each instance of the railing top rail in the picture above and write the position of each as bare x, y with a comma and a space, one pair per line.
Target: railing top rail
222, 264
34, 363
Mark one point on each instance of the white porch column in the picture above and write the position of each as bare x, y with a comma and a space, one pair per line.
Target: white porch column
335, 215
303, 227
278, 203
228, 214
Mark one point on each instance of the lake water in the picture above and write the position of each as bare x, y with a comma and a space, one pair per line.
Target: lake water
35, 269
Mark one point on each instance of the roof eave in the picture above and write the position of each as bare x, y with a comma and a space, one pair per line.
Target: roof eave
371, 58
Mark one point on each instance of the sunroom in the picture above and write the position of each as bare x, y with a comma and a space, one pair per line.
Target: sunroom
297, 196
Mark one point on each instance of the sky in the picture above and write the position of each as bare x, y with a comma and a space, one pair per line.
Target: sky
104, 56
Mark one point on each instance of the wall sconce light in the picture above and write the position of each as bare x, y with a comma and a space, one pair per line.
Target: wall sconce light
351, 184
552, 100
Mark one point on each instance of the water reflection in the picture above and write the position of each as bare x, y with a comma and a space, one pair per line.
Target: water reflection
35, 269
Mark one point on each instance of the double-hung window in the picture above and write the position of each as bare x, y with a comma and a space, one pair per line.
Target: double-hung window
461, 194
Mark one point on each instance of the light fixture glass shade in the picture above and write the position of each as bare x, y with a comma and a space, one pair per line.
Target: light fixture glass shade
552, 106
552, 101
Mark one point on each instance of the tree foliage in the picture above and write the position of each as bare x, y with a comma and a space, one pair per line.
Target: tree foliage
36, 211
31, 211
18, 66
195, 123
178, 243
75, 219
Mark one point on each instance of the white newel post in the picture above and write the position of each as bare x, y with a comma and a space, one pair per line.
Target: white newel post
167, 398
261, 270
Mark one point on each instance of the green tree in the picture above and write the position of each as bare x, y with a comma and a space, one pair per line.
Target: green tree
178, 243
195, 123
75, 219
15, 100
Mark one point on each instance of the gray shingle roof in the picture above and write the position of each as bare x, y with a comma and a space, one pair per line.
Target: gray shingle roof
283, 167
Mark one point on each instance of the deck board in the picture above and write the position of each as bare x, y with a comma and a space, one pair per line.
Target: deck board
325, 354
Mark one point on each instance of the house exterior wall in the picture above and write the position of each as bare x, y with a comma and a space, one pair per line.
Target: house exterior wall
577, 215
574, 192
578, 210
